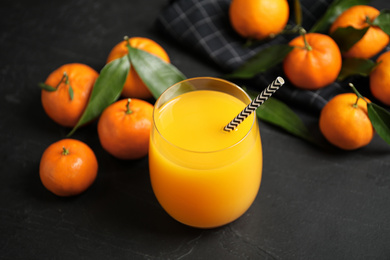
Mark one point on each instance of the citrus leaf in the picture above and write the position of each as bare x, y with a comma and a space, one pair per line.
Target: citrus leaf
277, 113
356, 66
262, 61
46, 87
347, 37
380, 119
333, 11
157, 74
106, 90
383, 21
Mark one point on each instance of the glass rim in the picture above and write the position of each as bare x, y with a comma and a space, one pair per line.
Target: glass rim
194, 151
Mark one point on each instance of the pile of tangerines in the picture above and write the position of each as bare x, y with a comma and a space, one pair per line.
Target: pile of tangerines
68, 167
316, 61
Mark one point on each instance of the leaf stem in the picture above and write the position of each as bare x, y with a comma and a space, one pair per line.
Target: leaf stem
298, 12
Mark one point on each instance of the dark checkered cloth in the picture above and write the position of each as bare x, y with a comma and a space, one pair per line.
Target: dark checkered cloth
204, 26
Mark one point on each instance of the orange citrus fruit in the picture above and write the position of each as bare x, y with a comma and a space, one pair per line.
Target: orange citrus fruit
134, 86
380, 79
314, 62
373, 41
258, 19
344, 122
124, 128
59, 105
68, 167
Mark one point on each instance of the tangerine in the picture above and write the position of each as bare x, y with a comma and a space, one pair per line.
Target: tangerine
380, 79
68, 167
373, 41
314, 62
72, 84
124, 128
134, 86
258, 19
344, 122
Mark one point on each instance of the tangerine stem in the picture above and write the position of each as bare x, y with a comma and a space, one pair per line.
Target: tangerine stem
61, 80
126, 38
302, 31
369, 21
248, 43
64, 151
66, 78
128, 46
70, 90
355, 105
291, 29
358, 95
128, 110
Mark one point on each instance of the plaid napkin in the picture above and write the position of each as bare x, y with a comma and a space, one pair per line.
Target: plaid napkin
204, 27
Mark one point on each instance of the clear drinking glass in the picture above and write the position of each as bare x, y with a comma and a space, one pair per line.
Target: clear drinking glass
202, 175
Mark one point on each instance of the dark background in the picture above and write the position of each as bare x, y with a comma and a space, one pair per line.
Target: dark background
313, 203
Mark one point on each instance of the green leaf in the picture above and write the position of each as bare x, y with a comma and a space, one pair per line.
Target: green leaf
157, 74
356, 66
106, 90
383, 21
46, 87
380, 119
298, 12
262, 61
347, 37
333, 11
277, 113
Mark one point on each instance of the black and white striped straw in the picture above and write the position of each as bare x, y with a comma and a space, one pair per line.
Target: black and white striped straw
258, 101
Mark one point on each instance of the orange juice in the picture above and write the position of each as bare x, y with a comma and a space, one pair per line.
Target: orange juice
202, 175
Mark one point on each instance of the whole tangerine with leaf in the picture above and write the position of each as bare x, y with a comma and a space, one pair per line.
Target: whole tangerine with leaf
66, 92
344, 121
134, 87
258, 19
124, 128
380, 79
360, 17
68, 167
314, 62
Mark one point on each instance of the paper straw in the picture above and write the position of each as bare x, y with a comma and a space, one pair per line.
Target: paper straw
258, 101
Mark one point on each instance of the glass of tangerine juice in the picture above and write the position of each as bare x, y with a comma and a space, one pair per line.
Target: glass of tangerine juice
202, 175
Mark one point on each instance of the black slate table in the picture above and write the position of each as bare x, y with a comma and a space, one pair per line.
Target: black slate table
313, 203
